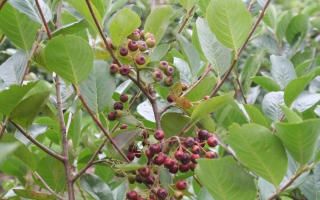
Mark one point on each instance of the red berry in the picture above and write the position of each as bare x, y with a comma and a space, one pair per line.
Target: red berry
185, 159
142, 46
168, 80
140, 60
193, 166
203, 134
150, 179
158, 134
158, 160
118, 106
112, 116
174, 169
162, 193
184, 168
195, 149
137, 154
169, 99
169, 71
157, 76
155, 148
124, 98
130, 156
211, 154
149, 154
144, 172
184, 86
138, 179
114, 68
168, 163
145, 134
181, 185
178, 154
163, 155
132, 148
124, 70
133, 45
188, 142
212, 142
132, 195
151, 42
163, 65
123, 51
194, 157
112, 47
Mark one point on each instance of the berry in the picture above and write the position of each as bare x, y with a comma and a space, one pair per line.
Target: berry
145, 134
150, 179
114, 68
138, 179
188, 142
210, 154
132, 178
157, 76
118, 106
195, 149
168, 163
132, 148
112, 47
133, 45
167, 80
142, 34
184, 86
199, 141
144, 172
151, 42
212, 142
206, 97
162, 193
178, 154
184, 168
158, 160
158, 134
163, 155
135, 35
148, 35
140, 59
155, 148
181, 185
169, 99
130, 156
112, 116
149, 154
142, 46
203, 134
132, 195
140, 198
118, 113
124, 98
194, 157
185, 159
174, 169
137, 154
163, 65
124, 70
192, 166
169, 71
123, 51
178, 194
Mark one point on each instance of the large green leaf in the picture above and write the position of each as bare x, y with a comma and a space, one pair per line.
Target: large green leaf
255, 115
18, 27
271, 105
230, 22
283, 23
52, 172
33, 195
225, 180
294, 88
25, 112
311, 188
204, 88
29, 8
6, 149
298, 27
13, 69
71, 57
97, 89
98, 189
14, 167
259, 150
204, 194
172, 123
209, 106
267, 83
282, 70
300, 139
157, 22
122, 25
191, 56
217, 54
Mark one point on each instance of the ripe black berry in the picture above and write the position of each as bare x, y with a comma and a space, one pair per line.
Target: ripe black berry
138, 179
185, 159
124, 98
162, 193
178, 154
184, 168
203, 134
158, 135
155, 148
188, 142
118, 106
158, 160
168, 163
150, 179
174, 169
130, 156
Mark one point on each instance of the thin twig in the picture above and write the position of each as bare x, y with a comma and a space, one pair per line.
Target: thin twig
167, 107
216, 89
186, 20
2, 3
4, 126
44, 20
2, 37
197, 180
241, 90
58, 22
251, 5
155, 107
47, 186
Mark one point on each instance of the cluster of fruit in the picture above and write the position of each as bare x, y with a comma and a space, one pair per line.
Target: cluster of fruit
118, 108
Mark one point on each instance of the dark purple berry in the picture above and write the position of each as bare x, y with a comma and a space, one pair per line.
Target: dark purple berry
181, 185
162, 193
123, 51
112, 116
158, 135
155, 148
203, 134
124, 98
118, 106
124, 70
114, 68
188, 142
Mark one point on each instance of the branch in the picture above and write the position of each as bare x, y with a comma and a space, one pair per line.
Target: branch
241, 90
186, 20
2, 3
216, 89
155, 107
47, 186
4, 126
2, 37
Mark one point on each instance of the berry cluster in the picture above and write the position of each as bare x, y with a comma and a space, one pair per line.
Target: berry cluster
167, 70
118, 109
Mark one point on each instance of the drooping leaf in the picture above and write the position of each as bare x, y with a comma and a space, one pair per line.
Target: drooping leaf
230, 22
217, 54
188, 4
14, 167
300, 139
267, 83
230, 180
121, 27
74, 59
158, 21
271, 105
73, 27
204, 194
266, 189
297, 27
18, 27
98, 189
283, 23
259, 150
33, 195
294, 88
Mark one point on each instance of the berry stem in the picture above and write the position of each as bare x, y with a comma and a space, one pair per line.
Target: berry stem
186, 19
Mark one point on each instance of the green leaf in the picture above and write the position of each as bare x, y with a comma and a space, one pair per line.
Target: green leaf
271, 105
129, 119
25, 112
6, 149
302, 67
121, 27
209, 106
294, 88
158, 21
69, 19
126, 137
282, 70
255, 115
129, 167
52, 172
317, 158
230, 181
259, 150
300, 139
73, 61
18, 27
298, 27
30, 8
230, 22
13, 69
267, 83
290, 115
165, 178
204, 194
311, 188
188, 4
38, 58
11, 97
270, 17
283, 23
33, 195
97, 89
74, 130
98, 189
73, 27
14, 167
172, 123
159, 52
206, 123
191, 55
204, 88
217, 54
305, 101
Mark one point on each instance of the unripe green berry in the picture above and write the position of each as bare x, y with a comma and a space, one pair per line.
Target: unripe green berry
151, 42
168, 80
